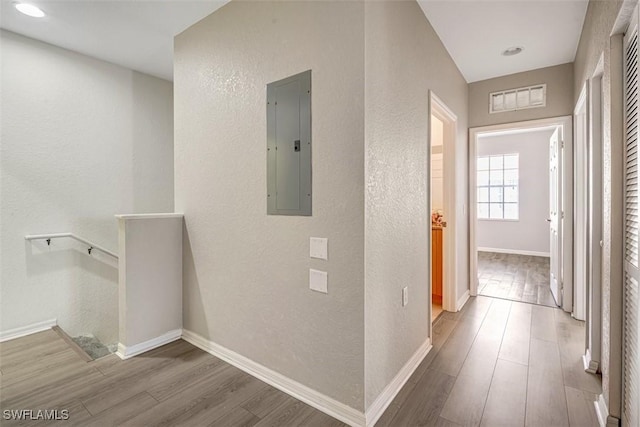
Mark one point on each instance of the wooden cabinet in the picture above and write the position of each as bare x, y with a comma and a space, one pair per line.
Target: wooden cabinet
436, 264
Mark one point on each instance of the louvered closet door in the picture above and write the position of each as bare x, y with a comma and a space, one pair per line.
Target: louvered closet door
631, 391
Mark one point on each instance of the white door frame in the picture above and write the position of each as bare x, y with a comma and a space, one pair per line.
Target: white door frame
449, 275
593, 347
565, 122
581, 218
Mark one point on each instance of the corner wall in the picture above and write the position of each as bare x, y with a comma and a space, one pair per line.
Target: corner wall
246, 273
404, 60
82, 140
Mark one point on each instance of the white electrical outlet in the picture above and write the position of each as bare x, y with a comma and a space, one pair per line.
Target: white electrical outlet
318, 280
405, 296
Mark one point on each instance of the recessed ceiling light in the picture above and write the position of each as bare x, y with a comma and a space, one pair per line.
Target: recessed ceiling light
512, 51
30, 10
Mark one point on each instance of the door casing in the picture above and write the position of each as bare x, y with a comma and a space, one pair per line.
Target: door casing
565, 122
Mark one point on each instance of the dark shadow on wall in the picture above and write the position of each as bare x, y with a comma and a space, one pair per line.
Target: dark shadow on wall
194, 317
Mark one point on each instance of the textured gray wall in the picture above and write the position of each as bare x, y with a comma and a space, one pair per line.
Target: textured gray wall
246, 274
404, 60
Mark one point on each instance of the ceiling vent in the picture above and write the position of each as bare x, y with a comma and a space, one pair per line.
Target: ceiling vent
518, 99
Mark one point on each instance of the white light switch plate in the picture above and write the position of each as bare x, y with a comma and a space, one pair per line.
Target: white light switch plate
318, 280
405, 296
318, 247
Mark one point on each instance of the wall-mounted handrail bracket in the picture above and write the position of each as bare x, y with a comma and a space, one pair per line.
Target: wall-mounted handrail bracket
48, 237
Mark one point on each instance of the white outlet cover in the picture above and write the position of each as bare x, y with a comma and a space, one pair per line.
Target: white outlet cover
405, 296
318, 280
318, 247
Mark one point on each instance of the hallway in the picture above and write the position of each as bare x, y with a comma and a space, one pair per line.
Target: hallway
495, 363
500, 363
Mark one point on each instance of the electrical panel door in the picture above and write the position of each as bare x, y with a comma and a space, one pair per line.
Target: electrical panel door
289, 146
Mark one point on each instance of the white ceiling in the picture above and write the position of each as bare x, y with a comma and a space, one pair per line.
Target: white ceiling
138, 34
135, 34
475, 32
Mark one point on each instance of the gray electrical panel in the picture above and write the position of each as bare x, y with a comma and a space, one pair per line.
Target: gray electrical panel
289, 146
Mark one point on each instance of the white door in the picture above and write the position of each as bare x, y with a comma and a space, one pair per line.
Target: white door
555, 215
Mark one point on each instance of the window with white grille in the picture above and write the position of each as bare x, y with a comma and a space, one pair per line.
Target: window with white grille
497, 183
518, 99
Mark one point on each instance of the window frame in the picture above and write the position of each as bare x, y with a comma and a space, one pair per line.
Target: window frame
503, 186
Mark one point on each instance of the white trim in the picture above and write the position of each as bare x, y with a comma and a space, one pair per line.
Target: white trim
534, 125
463, 300
602, 412
125, 352
591, 366
581, 215
514, 251
450, 237
150, 216
594, 295
385, 398
517, 131
301, 392
27, 330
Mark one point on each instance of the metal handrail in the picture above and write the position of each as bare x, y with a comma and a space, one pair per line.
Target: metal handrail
92, 246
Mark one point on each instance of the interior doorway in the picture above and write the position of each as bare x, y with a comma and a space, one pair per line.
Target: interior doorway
438, 222
442, 186
521, 193
514, 196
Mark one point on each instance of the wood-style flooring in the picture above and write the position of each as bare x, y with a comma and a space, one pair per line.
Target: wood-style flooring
500, 363
177, 384
515, 277
495, 363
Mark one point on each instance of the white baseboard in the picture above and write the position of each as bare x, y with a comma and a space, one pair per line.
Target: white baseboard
462, 300
301, 392
385, 398
27, 330
602, 412
591, 366
515, 252
125, 352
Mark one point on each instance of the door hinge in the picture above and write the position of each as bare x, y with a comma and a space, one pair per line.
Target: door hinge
562, 144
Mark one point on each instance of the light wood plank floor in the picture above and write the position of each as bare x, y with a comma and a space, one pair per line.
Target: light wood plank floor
495, 363
500, 363
515, 277
177, 384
